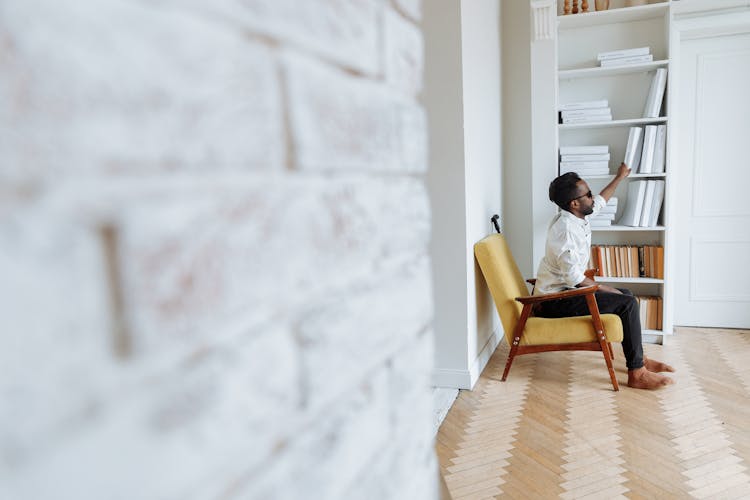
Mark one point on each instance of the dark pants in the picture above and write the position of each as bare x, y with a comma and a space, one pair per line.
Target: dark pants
625, 306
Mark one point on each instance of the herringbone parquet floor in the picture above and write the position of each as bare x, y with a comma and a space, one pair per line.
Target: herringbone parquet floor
556, 429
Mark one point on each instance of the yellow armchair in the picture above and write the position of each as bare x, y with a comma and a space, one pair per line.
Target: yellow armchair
528, 334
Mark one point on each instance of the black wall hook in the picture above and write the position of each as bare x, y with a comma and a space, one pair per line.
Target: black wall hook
495, 219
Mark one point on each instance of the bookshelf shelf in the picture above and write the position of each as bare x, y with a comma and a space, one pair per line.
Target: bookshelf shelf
627, 228
612, 16
615, 123
574, 74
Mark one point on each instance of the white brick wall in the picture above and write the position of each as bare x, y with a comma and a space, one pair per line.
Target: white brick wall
214, 227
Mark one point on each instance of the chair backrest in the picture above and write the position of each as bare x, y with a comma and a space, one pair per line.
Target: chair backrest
503, 278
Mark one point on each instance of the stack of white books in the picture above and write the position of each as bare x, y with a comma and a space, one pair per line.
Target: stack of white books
625, 57
644, 203
586, 112
606, 215
584, 160
653, 150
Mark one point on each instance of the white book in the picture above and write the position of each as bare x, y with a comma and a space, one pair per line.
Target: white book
660, 150
603, 103
593, 165
574, 113
585, 173
647, 153
588, 119
648, 201
596, 157
633, 149
614, 54
604, 216
657, 202
626, 61
655, 94
631, 216
600, 222
612, 201
583, 150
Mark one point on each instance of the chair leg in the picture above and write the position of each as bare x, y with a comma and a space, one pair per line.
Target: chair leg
611, 350
517, 333
611, 368
511, 355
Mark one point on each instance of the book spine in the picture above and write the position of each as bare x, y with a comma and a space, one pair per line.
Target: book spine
584, 150
584, 105
625, 61
614, 54
656, 94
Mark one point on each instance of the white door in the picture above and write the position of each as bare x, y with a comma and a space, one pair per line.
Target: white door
711, 169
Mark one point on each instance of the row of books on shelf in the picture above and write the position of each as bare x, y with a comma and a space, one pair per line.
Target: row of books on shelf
651, 309
645, 152
626, 261
625, 57
599, 111
645, 198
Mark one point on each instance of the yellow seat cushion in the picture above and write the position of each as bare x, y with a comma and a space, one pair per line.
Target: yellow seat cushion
569, 330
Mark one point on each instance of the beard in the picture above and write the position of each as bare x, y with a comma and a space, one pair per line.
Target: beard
588, 210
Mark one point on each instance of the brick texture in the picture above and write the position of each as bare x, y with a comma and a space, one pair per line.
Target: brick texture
214, 230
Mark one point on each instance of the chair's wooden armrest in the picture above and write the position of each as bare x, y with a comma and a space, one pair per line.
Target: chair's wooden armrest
531, 281
535, 299
590, 273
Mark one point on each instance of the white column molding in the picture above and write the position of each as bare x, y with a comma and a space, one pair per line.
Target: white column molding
544, 19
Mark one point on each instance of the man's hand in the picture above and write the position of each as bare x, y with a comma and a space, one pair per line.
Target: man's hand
609, 189
623, 171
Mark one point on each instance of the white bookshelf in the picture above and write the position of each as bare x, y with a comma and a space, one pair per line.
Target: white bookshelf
578, 40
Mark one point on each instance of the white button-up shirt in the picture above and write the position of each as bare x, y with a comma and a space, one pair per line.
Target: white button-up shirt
567, 251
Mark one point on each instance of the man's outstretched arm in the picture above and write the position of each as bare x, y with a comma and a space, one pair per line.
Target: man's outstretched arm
622, 172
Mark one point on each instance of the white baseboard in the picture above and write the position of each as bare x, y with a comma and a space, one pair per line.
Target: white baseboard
465, 379
443, 399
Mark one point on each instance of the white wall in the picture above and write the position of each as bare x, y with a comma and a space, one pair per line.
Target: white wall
462, 97
517, 213
480, 25
214, 233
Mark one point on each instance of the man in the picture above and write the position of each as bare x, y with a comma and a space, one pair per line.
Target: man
566, 258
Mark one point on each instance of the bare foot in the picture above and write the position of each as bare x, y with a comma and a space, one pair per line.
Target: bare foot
656, 366
641, 378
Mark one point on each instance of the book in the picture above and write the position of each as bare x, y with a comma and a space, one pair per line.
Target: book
625, 61
660, 150
583, 150
656, 94
603, 103
656, 202
614, 54
576, 158
633, 149
647, 152
576, 113
598, 164
588, 119
648, 201
631, 216
604, 216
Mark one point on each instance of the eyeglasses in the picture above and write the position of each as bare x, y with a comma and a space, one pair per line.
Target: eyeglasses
587, 195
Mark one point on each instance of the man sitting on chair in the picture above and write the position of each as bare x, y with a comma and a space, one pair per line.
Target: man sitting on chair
566, 258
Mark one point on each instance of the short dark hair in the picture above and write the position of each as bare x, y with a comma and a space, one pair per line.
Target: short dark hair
563, 190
